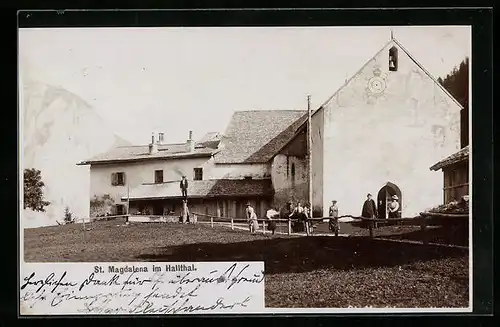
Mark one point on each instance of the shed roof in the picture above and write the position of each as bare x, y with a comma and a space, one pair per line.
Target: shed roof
459, 156
255, 136
204, 189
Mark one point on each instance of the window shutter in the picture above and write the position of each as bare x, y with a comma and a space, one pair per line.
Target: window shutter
113, 179
124, 178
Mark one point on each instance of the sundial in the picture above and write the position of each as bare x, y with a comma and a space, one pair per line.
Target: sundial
376, 84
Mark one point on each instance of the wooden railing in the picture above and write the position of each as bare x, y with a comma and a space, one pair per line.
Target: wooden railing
423, 221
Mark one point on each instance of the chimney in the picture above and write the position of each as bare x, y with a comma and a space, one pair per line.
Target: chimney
161, 137
153, 146
190, 142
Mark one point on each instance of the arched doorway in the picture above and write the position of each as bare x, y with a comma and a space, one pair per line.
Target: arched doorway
384, 196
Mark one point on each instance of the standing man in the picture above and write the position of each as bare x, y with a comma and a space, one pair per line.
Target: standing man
308, 224
184, 187
185, 212
298, 213
334, 218
369, 208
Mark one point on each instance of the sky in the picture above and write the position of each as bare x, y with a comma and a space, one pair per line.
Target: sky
172, 80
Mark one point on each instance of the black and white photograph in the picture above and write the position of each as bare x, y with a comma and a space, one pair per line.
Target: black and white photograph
339, 156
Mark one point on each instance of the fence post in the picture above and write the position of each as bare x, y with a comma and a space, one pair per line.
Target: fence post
423, 228
263, 227
83, 223
232, 223
289, 226
212, 221
370, 224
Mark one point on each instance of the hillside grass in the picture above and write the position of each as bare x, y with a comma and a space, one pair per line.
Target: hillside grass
318, 271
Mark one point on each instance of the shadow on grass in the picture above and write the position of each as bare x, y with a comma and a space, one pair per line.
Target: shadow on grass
303, 254
443, 234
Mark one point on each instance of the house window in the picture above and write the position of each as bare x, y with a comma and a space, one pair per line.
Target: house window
158, 176
293, 172
198, 174
393, 59
118, 179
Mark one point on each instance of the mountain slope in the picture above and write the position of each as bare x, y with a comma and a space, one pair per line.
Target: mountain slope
60, 129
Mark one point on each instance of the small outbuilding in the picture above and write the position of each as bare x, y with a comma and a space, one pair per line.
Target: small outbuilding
456, 175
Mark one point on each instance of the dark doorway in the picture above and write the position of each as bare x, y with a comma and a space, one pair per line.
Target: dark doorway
120, 209
385, 196
157, 209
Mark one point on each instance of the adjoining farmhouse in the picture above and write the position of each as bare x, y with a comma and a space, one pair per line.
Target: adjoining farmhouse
224, 172
377, 134
456, 175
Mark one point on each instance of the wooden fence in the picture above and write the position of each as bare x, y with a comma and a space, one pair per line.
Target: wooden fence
423, 221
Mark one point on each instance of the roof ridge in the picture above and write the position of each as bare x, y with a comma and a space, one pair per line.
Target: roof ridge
270, 110
143, 145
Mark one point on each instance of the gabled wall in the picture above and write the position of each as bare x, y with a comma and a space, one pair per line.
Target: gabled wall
317, 149
392, 136
289, 186
295, 187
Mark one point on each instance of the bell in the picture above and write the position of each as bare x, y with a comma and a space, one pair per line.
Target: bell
391, 64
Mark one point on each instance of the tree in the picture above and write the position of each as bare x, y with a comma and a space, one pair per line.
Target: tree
457, 83
33, 190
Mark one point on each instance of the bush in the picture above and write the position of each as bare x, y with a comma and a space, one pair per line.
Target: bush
68, 216
101, 206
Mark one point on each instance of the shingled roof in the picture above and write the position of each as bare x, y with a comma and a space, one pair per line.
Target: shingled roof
209, 140
255, 136
141, 152
204, 189
459, 156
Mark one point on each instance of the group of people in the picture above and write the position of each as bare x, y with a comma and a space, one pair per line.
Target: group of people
370, 208
253, 223
299, 212
302, 214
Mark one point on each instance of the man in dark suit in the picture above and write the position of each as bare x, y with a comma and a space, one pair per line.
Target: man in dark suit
184, 187
369, 208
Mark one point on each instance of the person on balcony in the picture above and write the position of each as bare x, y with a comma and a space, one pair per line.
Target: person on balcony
184, 187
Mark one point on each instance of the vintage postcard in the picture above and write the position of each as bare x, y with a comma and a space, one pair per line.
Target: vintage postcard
228, 170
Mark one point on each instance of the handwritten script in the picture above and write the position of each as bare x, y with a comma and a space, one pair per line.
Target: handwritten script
142, 288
